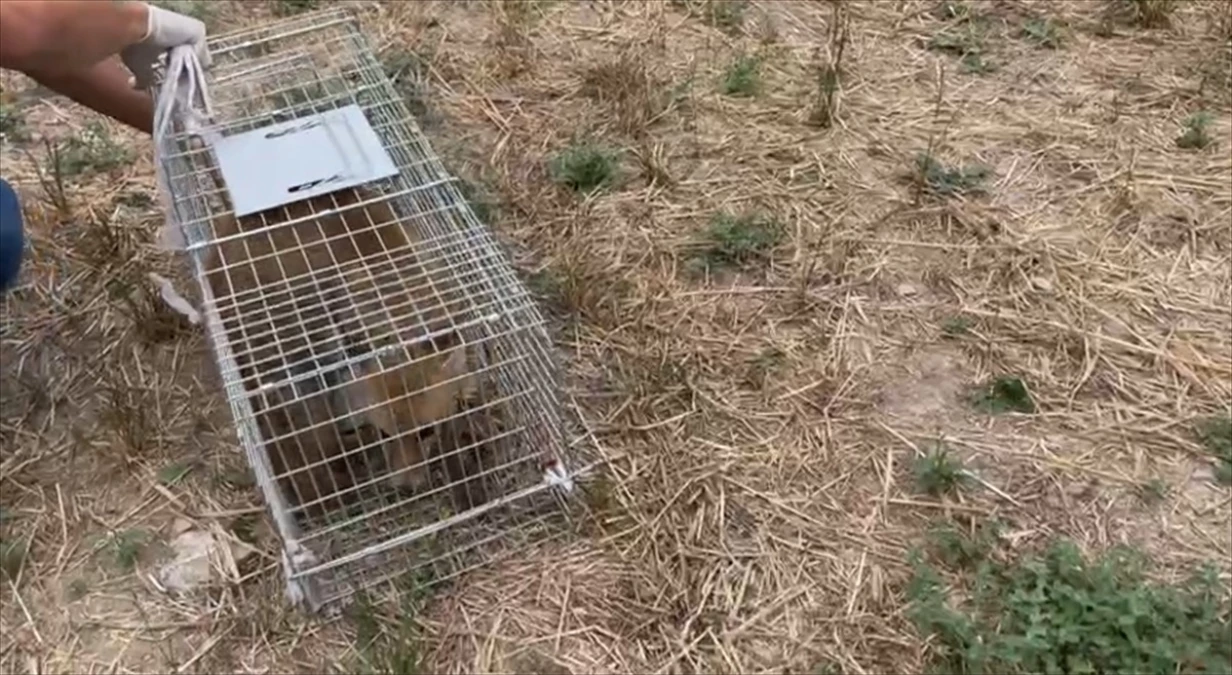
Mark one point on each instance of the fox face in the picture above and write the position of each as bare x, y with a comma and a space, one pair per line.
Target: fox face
404, 398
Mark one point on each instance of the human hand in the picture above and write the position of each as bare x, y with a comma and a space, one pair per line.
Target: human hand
165, 30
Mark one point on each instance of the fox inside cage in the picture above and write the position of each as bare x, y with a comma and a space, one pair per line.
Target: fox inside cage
391, 380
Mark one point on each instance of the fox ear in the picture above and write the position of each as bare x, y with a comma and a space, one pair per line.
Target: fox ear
454, 365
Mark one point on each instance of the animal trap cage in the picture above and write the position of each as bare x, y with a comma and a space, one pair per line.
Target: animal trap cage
392, 382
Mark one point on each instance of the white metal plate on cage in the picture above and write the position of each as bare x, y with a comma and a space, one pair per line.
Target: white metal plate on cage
304, 158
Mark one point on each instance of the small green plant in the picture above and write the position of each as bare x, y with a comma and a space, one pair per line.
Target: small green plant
1043, 32
726, 15
959, 549
12, 123
13, 555
1197, 132
743, 77
966, 41
956, 41
1216, 435
293, 7
952, 9
585, 167
92, 151
736, 240
382, 649
827, 668
1004, 394
938, 473
127, 546
1060, 613
174, 473
956, 326
945, 181
975, 63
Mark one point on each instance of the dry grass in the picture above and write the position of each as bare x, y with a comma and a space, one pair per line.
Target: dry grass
767, 418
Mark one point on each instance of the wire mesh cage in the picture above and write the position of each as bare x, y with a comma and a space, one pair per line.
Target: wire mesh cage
392, 381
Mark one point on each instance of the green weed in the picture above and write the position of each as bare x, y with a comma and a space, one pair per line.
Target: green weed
975, 63
13, 555
737, 240
958, 549
1197, 132
1216, 435
174, 473
743, 77
92, 151
938, 473
1004, 394
585, 167
944, 180
1061, 613
1043, 32
956, 326
127, 546
952, 9
726, 15
966, 41
957, 41
391, 647
12, 123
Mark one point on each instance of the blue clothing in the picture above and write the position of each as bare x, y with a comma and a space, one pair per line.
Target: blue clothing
12, 238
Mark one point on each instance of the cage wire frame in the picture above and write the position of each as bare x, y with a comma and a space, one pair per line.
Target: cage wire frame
309, 64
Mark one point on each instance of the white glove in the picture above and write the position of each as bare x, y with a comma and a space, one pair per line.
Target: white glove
166, 29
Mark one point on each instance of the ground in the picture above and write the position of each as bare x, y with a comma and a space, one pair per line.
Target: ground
920, 199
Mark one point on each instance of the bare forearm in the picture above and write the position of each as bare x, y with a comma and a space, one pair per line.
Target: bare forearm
56, 37
103, 87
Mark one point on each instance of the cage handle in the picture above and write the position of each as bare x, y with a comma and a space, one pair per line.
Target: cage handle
182, 100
